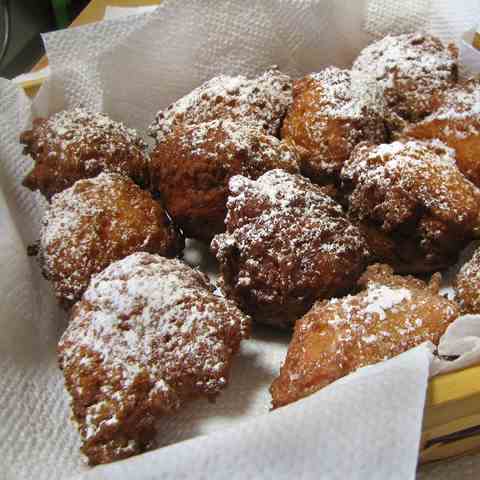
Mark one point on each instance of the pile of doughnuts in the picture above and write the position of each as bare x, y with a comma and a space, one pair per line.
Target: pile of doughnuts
320, 198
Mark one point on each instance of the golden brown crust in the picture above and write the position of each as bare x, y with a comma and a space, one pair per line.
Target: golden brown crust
332, 111
287, 244
467, 285
147, 336
76, 144
456, 122
262, 100
96, 222
411, 70
401, 250
336, 337
192, 166
413, 195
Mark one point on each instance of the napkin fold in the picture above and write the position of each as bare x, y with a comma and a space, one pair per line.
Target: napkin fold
365, 426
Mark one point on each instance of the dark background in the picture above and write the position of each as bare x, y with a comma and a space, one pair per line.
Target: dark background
24, 20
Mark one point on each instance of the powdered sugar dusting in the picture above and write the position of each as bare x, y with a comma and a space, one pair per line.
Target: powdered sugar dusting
384, 298
282, 230
390, 315
192, 167
456, 121
151, 320
76, 144
375, 305
459, 111
347, 94
280, 195
263, 100
426, 170
79, 126
233, 139
279, 192
410, 68
385, 314
87, 227
332, 111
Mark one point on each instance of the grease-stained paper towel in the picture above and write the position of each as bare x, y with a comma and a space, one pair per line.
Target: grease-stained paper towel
364, 426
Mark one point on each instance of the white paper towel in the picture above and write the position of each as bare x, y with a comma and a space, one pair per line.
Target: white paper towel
347, 430
365, 426
112, 13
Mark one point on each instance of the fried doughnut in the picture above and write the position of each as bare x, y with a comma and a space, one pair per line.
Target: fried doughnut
411, 70
399, 251
467, 285
336, 337
76, 144
262, 100
287, 244
332, 111
148, 335
95, 222
191, 169
413, 195
456, 122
